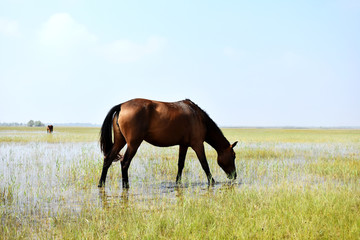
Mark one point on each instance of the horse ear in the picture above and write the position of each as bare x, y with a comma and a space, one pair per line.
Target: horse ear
234, 144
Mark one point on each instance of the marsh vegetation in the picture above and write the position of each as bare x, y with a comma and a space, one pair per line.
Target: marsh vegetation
297, 184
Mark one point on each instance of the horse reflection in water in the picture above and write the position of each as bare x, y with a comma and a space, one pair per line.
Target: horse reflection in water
163, 124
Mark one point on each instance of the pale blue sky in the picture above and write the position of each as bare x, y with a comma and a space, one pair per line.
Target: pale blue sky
247, 63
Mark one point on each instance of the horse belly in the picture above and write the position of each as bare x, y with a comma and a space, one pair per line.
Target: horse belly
166, 137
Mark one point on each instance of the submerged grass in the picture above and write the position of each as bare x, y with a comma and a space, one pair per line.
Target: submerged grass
292, 184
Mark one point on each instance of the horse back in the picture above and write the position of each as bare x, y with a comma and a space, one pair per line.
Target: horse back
161, 123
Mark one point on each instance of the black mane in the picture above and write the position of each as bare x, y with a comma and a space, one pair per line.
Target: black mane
214, 135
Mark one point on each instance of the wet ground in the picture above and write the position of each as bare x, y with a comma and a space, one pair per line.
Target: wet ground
51, 177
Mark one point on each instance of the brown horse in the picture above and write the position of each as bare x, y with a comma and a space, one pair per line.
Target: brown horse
163, 124
50, 128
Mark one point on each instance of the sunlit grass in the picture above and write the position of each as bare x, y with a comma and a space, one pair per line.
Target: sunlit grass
341, 168
297, 184
266, 213
39, 134
293, 135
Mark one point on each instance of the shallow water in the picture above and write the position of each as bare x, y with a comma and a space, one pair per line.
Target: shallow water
49, 178
54, 175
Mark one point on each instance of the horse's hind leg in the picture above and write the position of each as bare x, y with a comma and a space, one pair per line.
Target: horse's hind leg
125, 163
112, 156
106, 165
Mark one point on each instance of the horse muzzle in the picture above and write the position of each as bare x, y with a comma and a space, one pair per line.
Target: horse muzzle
232, 175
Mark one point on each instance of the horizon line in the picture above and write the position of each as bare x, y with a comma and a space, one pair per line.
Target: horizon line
81, 124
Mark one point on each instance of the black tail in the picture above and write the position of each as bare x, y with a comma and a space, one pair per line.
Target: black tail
106, 135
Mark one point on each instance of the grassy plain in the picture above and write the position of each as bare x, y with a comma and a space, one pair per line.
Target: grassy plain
292, 184
38, 134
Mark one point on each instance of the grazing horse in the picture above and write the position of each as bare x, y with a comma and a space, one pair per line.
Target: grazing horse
49, 128
163, 124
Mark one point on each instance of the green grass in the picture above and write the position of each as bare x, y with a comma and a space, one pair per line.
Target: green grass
265, 213
293, 184
39, 134
293, 135
342, 168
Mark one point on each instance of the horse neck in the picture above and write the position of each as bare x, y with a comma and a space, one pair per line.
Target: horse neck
216, 138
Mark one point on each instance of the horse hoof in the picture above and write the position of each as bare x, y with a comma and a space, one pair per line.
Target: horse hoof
178, 181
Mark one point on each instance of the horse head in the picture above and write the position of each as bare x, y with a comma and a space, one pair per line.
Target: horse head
226, 160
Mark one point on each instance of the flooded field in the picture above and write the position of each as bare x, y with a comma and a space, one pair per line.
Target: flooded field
291, 184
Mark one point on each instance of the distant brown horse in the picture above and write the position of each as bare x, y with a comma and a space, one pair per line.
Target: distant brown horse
49, 128
163, 124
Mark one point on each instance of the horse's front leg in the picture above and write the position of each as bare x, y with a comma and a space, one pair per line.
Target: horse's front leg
181, 162
200, 153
